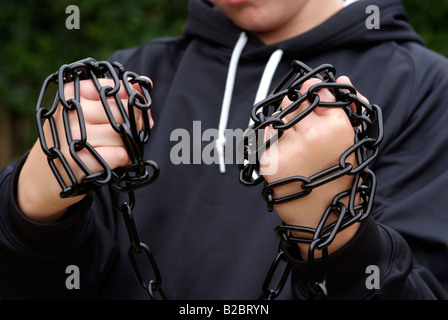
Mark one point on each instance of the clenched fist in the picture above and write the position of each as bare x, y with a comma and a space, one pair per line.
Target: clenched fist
38, 190
313, 144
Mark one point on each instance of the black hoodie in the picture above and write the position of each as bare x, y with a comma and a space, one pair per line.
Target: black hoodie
212, 237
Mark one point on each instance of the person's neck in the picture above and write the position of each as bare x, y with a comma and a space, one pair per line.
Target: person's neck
310, 16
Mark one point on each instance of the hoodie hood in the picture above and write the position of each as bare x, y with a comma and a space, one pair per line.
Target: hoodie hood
345, 28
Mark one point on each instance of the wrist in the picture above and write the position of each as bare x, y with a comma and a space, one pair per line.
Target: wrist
311, 215
38, 190
340, 240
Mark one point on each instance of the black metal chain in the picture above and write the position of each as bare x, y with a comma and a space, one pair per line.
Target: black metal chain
366, 120
121, 180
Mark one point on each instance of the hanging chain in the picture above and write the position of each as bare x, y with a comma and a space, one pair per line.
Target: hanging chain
121, 180
366, 120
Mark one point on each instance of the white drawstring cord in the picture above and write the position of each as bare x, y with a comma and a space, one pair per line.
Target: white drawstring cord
267, 76
225, 108
262, 92
265, 83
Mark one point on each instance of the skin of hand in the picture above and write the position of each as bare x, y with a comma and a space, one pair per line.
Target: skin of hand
313, 144
273, 21
38, 193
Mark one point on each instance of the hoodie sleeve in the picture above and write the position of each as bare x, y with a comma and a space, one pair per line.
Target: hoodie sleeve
35, 257
376, 264
401, 250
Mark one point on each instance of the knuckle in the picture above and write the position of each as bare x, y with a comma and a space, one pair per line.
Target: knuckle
121, 156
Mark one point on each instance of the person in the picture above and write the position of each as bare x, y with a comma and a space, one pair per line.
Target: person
211, 236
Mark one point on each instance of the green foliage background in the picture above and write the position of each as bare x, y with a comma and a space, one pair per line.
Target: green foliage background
35, 42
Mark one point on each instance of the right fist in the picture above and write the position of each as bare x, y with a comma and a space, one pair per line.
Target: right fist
38, 191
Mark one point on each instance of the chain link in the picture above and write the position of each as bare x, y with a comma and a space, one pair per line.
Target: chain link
366, 120
121, 180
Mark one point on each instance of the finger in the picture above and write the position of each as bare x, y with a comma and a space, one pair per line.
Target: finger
324, 96
114, 156
141, 106
89, 90
346, 80
137, 87
93, 109
269, 158
94, 112
269, 133
103, 136
98, 134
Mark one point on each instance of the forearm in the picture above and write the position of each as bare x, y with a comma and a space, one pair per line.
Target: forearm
310, 212
34, 255
36, 176
33, 235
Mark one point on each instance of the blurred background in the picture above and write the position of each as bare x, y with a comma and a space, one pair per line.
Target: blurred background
34, 42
